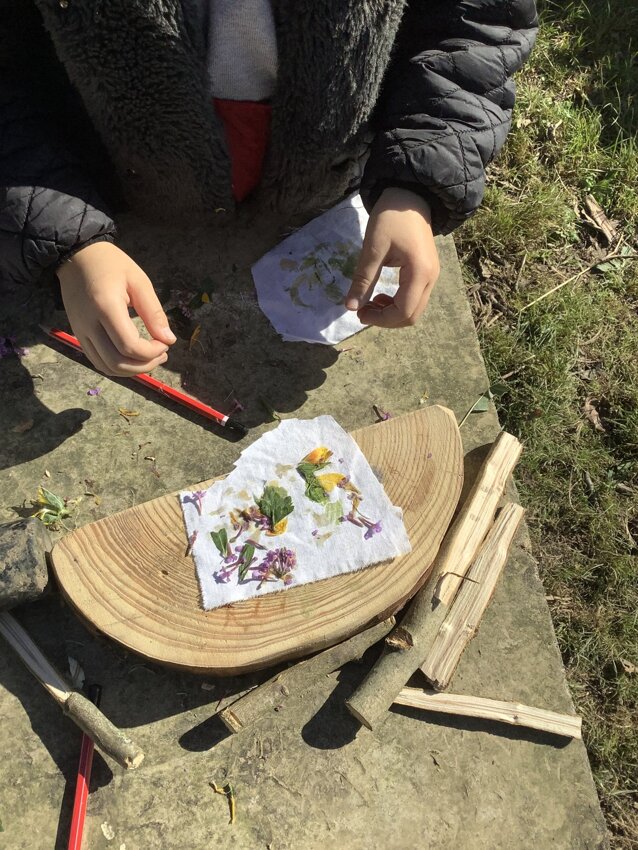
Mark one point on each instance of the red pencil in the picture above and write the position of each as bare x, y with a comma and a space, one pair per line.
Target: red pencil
162, 388
83, 780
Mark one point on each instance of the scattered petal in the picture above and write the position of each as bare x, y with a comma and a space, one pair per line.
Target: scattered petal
330, 480
76, 672
107, 831
22, 427
8, 348
94, 391
319, 455
382, 415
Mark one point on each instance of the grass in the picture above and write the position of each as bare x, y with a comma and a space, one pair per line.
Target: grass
567, 367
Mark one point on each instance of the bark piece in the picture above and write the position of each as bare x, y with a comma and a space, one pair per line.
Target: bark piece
296, 680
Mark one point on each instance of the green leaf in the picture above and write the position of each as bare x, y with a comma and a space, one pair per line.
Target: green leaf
315, 491
220, 539
333, 512
247, 555
499, 388
275, 504
482, 405
52, 500
306, 470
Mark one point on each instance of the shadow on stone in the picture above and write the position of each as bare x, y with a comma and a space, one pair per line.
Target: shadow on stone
333, 727
205, 735
29, 428
491, 727
101, 776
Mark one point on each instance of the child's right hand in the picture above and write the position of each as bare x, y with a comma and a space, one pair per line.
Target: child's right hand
98, 285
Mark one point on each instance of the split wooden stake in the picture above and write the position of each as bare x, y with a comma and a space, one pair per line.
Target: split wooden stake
462, 620
427, 611
82, 711
297, 679
512, 713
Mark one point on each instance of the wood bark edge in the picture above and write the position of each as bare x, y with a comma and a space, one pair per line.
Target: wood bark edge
295, 680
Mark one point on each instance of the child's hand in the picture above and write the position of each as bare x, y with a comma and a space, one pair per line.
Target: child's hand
98, 285
398, 234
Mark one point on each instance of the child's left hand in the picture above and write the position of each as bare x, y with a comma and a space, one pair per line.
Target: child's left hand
399, 233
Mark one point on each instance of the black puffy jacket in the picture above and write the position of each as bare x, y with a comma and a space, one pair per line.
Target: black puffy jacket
113, 93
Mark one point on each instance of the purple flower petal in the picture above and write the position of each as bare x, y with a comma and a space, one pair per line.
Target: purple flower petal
94, 391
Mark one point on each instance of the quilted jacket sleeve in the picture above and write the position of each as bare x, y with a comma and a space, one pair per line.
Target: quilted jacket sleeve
48, 206
447, 102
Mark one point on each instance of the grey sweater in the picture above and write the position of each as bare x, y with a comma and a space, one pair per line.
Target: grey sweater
241, 48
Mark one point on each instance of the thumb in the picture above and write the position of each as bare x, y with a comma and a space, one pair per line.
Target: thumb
149, 309
367, 272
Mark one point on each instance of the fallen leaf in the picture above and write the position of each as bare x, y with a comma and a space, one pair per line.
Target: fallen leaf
208, 686
592, 414
47, 473
482, 405
76, 672
628, 667
194, 336
21, 427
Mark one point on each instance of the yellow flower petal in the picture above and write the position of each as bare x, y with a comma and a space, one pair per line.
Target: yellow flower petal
281, 526
318, 455
330, 480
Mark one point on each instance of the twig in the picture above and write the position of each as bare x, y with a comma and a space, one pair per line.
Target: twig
467, 415
614, 255
490, 709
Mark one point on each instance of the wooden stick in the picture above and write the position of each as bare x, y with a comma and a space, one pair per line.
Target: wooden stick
82, 711
299, 678
427, 611
462, 621
477, 514
491, 709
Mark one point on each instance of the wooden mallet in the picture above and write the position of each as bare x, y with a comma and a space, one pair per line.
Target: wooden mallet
24, 577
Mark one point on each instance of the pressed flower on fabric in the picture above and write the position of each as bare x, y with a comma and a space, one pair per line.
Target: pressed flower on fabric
301, 505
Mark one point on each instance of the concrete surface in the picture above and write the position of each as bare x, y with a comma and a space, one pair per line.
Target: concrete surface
306, 778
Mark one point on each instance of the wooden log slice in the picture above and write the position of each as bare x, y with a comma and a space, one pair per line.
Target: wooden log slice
129, 577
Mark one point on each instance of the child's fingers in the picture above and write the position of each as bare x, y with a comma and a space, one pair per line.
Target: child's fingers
116, 363
121, 330
367, 272
89, 349
407, 305
149, 309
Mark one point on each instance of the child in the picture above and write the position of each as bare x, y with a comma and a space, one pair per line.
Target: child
188, 108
